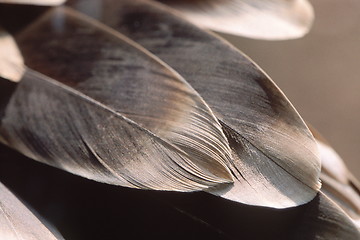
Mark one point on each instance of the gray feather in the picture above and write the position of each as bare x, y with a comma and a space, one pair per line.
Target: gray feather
275, 159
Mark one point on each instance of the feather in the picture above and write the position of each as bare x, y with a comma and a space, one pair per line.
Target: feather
275, 159
318, 219
337, 181
18, 222
10, 58
35, 2
263, 19
323, 219
109, 111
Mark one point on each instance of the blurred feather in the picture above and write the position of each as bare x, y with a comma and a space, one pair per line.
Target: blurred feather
35, 2
275, 161
18, 222
114, 114
263, 19
337, 181
11, 61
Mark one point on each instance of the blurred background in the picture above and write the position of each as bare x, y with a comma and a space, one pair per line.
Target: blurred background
320, 73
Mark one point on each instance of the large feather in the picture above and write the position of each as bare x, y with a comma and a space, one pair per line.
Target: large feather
18, 222
337, 181
116, 114
275, 159
263, 19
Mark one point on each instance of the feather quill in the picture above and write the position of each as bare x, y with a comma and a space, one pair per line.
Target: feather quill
275, 160
115, 113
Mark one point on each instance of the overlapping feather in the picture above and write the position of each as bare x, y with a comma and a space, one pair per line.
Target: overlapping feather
245, 174
275, 161
116, 114
263, 19
170, 159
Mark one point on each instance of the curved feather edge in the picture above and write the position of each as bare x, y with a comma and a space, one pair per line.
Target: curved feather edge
184, 121
337, 181
274, 157
137, 158
261, 19
18, 222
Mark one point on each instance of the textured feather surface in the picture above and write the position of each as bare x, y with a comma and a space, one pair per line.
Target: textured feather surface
114, 113
337, 181
264, 19
275, 160
10, 58
35, 2
76, 205
18, 222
